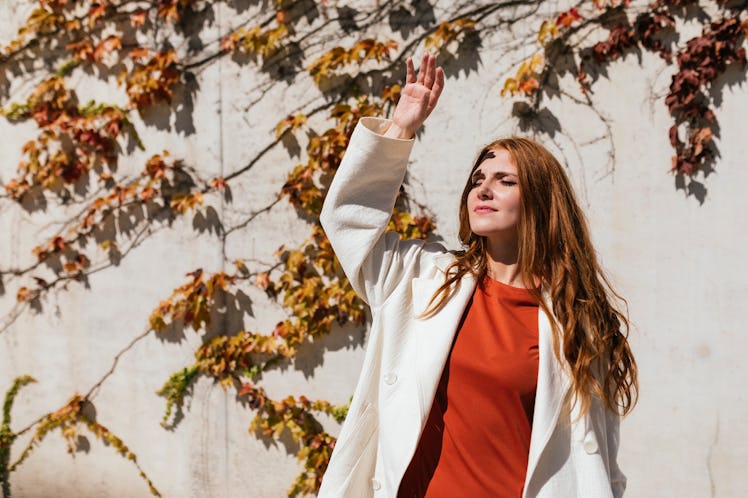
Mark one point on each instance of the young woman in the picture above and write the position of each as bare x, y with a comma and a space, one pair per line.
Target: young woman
497, 371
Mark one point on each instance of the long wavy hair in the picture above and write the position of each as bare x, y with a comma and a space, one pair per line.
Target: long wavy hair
555, 250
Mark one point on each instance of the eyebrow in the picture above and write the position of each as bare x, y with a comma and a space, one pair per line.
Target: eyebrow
479, 174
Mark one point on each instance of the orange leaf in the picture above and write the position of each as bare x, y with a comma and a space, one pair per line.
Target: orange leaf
23, 294
138, 18
263, 280
218, 183
529, 85
139, 53
107, 45
228, 44
96, 11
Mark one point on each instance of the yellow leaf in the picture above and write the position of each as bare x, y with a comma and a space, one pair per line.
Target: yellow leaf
548, 31
536, 61
510, 86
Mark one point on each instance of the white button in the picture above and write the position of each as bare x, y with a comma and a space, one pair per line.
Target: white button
390, 378
590, 445
375, 485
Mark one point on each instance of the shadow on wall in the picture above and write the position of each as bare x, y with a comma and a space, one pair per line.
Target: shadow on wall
408, 19
309, 358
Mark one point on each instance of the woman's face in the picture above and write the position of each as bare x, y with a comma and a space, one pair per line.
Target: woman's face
493, 202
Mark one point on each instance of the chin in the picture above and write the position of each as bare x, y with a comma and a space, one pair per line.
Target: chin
495, 231
487, 231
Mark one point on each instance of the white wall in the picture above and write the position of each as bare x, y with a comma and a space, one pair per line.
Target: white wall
679, 262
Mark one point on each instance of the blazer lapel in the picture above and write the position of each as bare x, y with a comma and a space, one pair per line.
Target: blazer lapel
434, 335
553, 386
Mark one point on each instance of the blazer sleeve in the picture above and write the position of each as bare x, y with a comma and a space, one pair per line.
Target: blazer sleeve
358, 207
617, 478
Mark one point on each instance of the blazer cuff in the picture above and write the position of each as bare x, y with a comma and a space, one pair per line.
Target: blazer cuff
368, 138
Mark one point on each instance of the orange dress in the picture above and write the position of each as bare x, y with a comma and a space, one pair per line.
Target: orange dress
477, 437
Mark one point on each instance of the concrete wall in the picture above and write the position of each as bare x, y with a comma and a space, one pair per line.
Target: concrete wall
679, 262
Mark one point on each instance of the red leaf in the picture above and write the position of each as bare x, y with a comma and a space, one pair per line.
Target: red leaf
568, 18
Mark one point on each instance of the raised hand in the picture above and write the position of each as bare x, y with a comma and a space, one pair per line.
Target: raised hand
417, 98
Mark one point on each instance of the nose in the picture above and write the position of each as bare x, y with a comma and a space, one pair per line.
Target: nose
484, 192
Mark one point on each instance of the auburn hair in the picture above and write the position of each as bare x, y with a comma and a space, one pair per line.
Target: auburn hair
555, 250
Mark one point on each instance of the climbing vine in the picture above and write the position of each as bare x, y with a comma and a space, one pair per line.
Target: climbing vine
90, 159
699, 63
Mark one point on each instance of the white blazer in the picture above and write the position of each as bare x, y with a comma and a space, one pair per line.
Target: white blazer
570, 456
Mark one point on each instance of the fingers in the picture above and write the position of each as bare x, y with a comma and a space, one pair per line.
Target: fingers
428, 80
427, 72
436, 90
410, 76
423, 67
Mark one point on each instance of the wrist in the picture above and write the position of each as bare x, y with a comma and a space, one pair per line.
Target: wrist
394, 131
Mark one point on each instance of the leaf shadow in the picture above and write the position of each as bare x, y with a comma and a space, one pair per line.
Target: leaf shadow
466, 59
312, 354
734, 76
531, 120
208, 221
347, 19
406, 20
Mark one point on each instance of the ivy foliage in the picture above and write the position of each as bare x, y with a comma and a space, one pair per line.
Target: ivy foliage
90, 155
7, 436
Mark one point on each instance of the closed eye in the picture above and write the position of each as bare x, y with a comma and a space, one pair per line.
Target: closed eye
477, 179
506, 179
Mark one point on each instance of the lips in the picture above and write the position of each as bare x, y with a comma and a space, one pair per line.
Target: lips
484, 209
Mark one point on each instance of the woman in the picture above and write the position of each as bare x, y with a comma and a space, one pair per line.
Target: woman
497, 371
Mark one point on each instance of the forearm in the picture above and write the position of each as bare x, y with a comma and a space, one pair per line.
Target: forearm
360, 201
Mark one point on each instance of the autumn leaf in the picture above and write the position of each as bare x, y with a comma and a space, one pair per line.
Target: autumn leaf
137, 19
255, 41
262, 281
529, 85
23, 294
510, 87
139, 53
448, 32
218, 183
290, 123
338, 57
96, 12
106, 46
185, 202
81, 50
391, 93
566, 19
548, 31
525, 81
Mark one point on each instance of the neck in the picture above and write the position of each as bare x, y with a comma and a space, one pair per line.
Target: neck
502, 261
